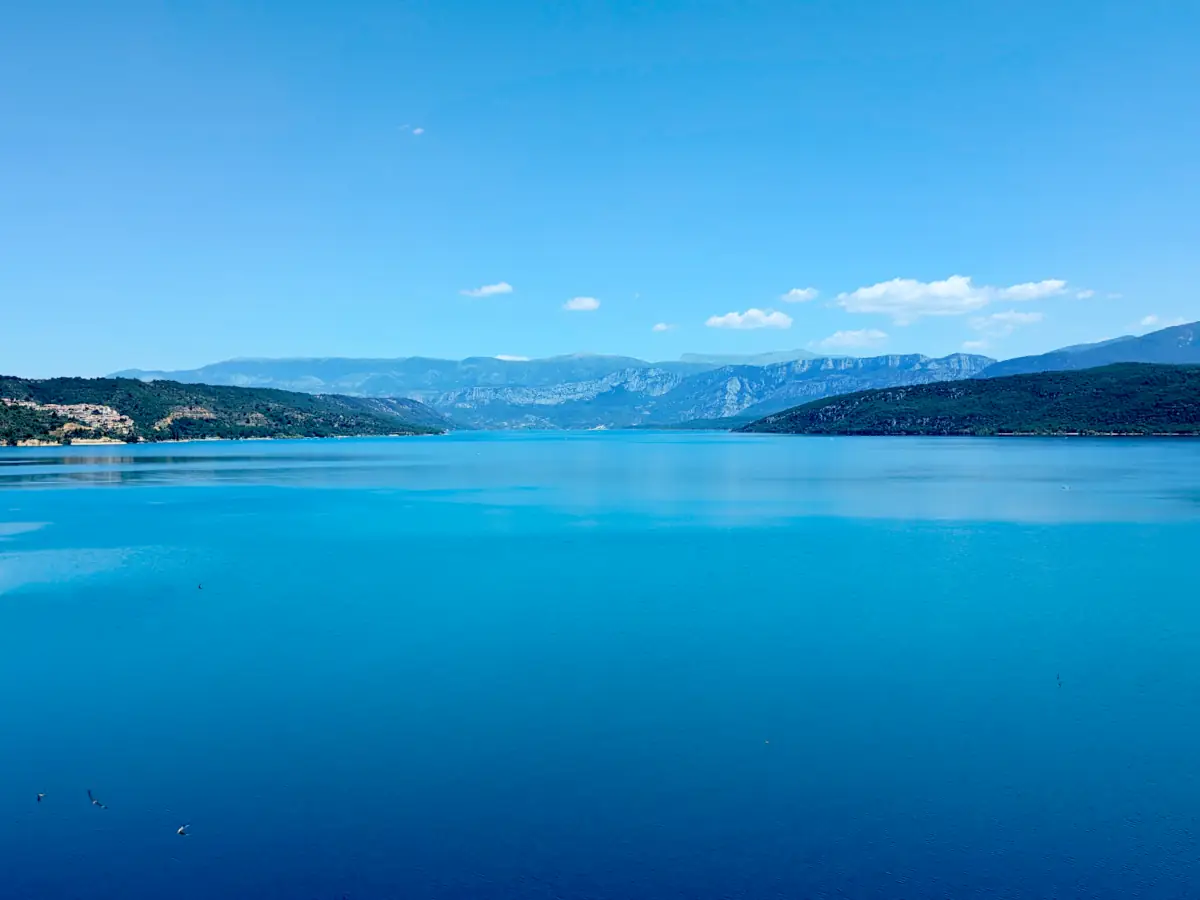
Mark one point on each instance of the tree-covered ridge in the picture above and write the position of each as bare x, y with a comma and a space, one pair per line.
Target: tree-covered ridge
1129, 398
167, 410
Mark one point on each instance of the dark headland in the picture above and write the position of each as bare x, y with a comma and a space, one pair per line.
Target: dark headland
1123, 399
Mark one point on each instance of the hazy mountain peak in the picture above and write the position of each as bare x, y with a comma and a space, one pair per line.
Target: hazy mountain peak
1177, 345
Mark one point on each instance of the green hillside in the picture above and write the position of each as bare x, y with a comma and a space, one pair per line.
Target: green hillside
1129, 398
65, 409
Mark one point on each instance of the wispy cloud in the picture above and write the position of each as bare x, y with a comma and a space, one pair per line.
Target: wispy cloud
1002, 324
488, 290
663, 326
418, 131
907, 300
864, 338
1149, 321
582, 304
974, 346
504, 357
1085, 294
751, 319
1030, 290
800, 295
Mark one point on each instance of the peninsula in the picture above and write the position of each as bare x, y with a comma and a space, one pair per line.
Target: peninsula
66, 410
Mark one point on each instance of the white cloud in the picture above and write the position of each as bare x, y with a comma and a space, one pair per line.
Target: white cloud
906, 300
418, 131
1002, 324
971, 346
582, 304
663, 326
800, 295
1085, 294
1154, 321
1113, 296
750, 319
1031, 290
504, 357
488, 290
851, 340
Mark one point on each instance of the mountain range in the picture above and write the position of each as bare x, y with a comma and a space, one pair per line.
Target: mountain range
598, 391
1178, 345
583, 391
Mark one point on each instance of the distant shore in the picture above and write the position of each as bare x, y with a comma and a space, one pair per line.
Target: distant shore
103, 442
112, 442
998, 434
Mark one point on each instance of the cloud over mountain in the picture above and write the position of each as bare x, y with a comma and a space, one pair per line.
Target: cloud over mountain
751, 319
907, 300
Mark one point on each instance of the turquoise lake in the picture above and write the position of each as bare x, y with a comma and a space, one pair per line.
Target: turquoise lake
601, 665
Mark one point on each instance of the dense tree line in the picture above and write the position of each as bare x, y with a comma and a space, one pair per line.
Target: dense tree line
1130, 398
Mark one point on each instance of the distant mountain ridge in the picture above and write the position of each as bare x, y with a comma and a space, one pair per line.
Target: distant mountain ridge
760, 390
584, 391
590, 390
410, 376
1178, 345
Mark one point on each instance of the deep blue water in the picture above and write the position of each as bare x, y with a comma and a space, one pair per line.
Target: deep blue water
601, 666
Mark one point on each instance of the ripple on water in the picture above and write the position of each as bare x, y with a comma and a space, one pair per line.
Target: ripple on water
19, 570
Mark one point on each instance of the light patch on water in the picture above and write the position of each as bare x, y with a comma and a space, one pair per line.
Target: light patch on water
10, 529
19, 570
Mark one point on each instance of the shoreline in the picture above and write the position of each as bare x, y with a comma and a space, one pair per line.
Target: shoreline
998, 434
112, 442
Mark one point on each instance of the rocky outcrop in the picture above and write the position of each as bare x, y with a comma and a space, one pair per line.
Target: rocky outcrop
759, 391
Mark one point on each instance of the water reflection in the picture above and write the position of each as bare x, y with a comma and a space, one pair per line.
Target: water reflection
731, 478
102, 458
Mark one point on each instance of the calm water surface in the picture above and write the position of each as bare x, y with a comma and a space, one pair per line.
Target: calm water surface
601, 666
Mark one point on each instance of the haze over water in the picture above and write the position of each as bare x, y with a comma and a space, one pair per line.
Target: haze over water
600, 666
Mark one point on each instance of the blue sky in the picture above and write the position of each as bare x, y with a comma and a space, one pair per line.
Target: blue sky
186, 182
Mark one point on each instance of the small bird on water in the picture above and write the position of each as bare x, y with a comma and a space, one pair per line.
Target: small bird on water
40, 796
95, 802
